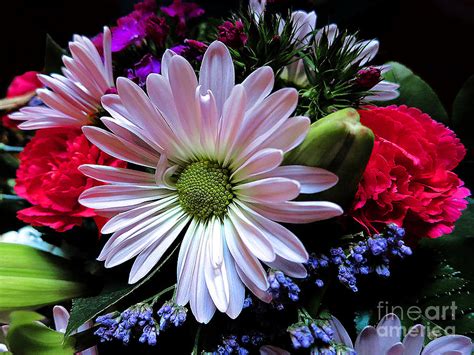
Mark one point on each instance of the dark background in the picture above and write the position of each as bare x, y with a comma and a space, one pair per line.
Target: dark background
432, 37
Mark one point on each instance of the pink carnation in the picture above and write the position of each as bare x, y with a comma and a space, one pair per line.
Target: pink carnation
409, 179
49, 179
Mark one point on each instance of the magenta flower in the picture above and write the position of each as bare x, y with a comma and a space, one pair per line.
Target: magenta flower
183, 12
140, 71
232, 34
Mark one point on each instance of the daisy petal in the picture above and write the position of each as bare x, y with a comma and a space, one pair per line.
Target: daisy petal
61, 318
217, 72
259, 163
298, 211
258, 85
312, 180
448, 343
269, 190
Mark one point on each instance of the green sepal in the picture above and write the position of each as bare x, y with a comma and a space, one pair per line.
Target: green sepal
340, 144
27, 336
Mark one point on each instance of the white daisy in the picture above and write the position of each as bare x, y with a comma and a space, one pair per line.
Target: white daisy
72, 100
216, 150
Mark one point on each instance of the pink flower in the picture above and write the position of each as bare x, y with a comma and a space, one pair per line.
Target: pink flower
183, 12
49, 179
232, 34
26, 83
409, 179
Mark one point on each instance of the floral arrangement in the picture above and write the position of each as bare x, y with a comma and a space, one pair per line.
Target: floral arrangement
249, 184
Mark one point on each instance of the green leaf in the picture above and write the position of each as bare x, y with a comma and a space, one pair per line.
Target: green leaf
463, 112
85, 309
27, 336
30, 278
53, 56
415, 92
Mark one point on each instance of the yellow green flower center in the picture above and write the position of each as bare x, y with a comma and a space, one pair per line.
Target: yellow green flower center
204, 189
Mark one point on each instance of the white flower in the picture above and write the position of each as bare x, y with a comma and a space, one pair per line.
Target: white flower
72, 100
385, 340
216, 149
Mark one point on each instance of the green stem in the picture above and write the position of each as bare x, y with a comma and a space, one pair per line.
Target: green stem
196, 342
156, 297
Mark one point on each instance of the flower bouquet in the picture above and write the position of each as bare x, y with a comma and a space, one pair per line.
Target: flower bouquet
255, 184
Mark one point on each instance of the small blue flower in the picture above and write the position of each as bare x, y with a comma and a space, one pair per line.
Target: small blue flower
171, 314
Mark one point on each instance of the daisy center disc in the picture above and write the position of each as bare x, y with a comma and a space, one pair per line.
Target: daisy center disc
204, 189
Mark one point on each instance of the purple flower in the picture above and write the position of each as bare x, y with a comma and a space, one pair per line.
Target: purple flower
192, 50
232, 34
183, 12
140, 71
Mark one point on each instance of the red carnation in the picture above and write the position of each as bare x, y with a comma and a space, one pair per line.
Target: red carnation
408, 180
232, 34
26, 83
49, 179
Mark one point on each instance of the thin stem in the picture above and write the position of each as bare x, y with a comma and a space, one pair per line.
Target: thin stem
196, 342
10, 198
10, 149
156, 297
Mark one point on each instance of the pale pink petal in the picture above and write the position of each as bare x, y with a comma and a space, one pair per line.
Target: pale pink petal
291, 133
253, 238
448, 343
368, 52
215, 268
237, 294
260, 293
312, 180
119, 176
165, 60
396, 349
200, 300
269, 190
244, 259
414, 340
283, 241
120, 148
390, 331
107, 45
217, 73
289, 268
61, 318
298, 211
148, 258
259, 163
210, 122
132, 216
105, 196
340, 333
135, 244
367, 342
187, 260
231, 121
258, 85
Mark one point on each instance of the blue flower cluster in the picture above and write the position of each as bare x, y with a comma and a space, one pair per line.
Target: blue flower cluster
309, 334
138, 320
171, 314
281, 288
365, 257
232, 345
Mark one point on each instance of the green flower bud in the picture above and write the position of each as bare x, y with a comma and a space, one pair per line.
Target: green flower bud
31, 278
26, 335
340, 144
